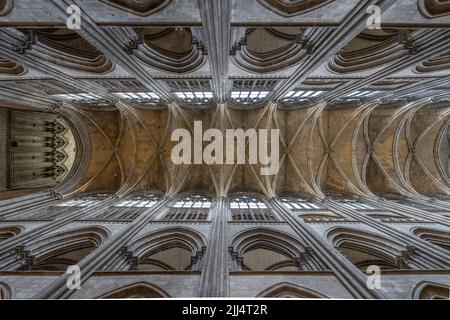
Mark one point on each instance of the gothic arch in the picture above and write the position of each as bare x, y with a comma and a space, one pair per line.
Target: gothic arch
285, 49
431, 291
433, 8
32, 165
267, 249
371, 49
289, 290
364, 248
67, 49
11, 68
293, 8
142, 290
38, 142
83, 155
6, 7
439, 238
9, 232
170, 50
58, 251
5, 291
433, 64
172, 248
143, 7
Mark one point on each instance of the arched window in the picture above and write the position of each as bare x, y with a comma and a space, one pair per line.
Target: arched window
43, 150
189, 208
127, 209
289, 290
146, 201
420, 206
431, 291
308, 209
372, 210
439, 238
355, 204
300, 204
263, 249
364, 249
84, 201
62, 208
250, 208
406, 202
56, 252
140, 290
167, 249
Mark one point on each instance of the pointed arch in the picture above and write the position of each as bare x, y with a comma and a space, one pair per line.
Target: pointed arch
284, 51
9, 232
172, 248
6, 7
364, 248
66, 49
140, 290
439, 238
290, 290
267, 249
431, 291
292, 8
5, 291
56, 252
142, 8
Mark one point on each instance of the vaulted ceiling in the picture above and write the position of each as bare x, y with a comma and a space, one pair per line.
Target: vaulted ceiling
361, 111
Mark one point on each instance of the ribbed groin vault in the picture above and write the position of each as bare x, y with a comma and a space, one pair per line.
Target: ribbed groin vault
88, 121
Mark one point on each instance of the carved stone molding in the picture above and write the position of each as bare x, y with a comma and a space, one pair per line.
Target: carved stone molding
373, 49
9, 232
270, 49
67, 49
293, 7
11, 68
430, 291
172, 50
140, 7
440, 63
434, 8
5, 7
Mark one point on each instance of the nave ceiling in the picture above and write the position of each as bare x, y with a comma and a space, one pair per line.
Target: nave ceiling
362, 151
360, 111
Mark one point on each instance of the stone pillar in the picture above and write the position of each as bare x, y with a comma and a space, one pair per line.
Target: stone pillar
214, 281
350, 277
216, 21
